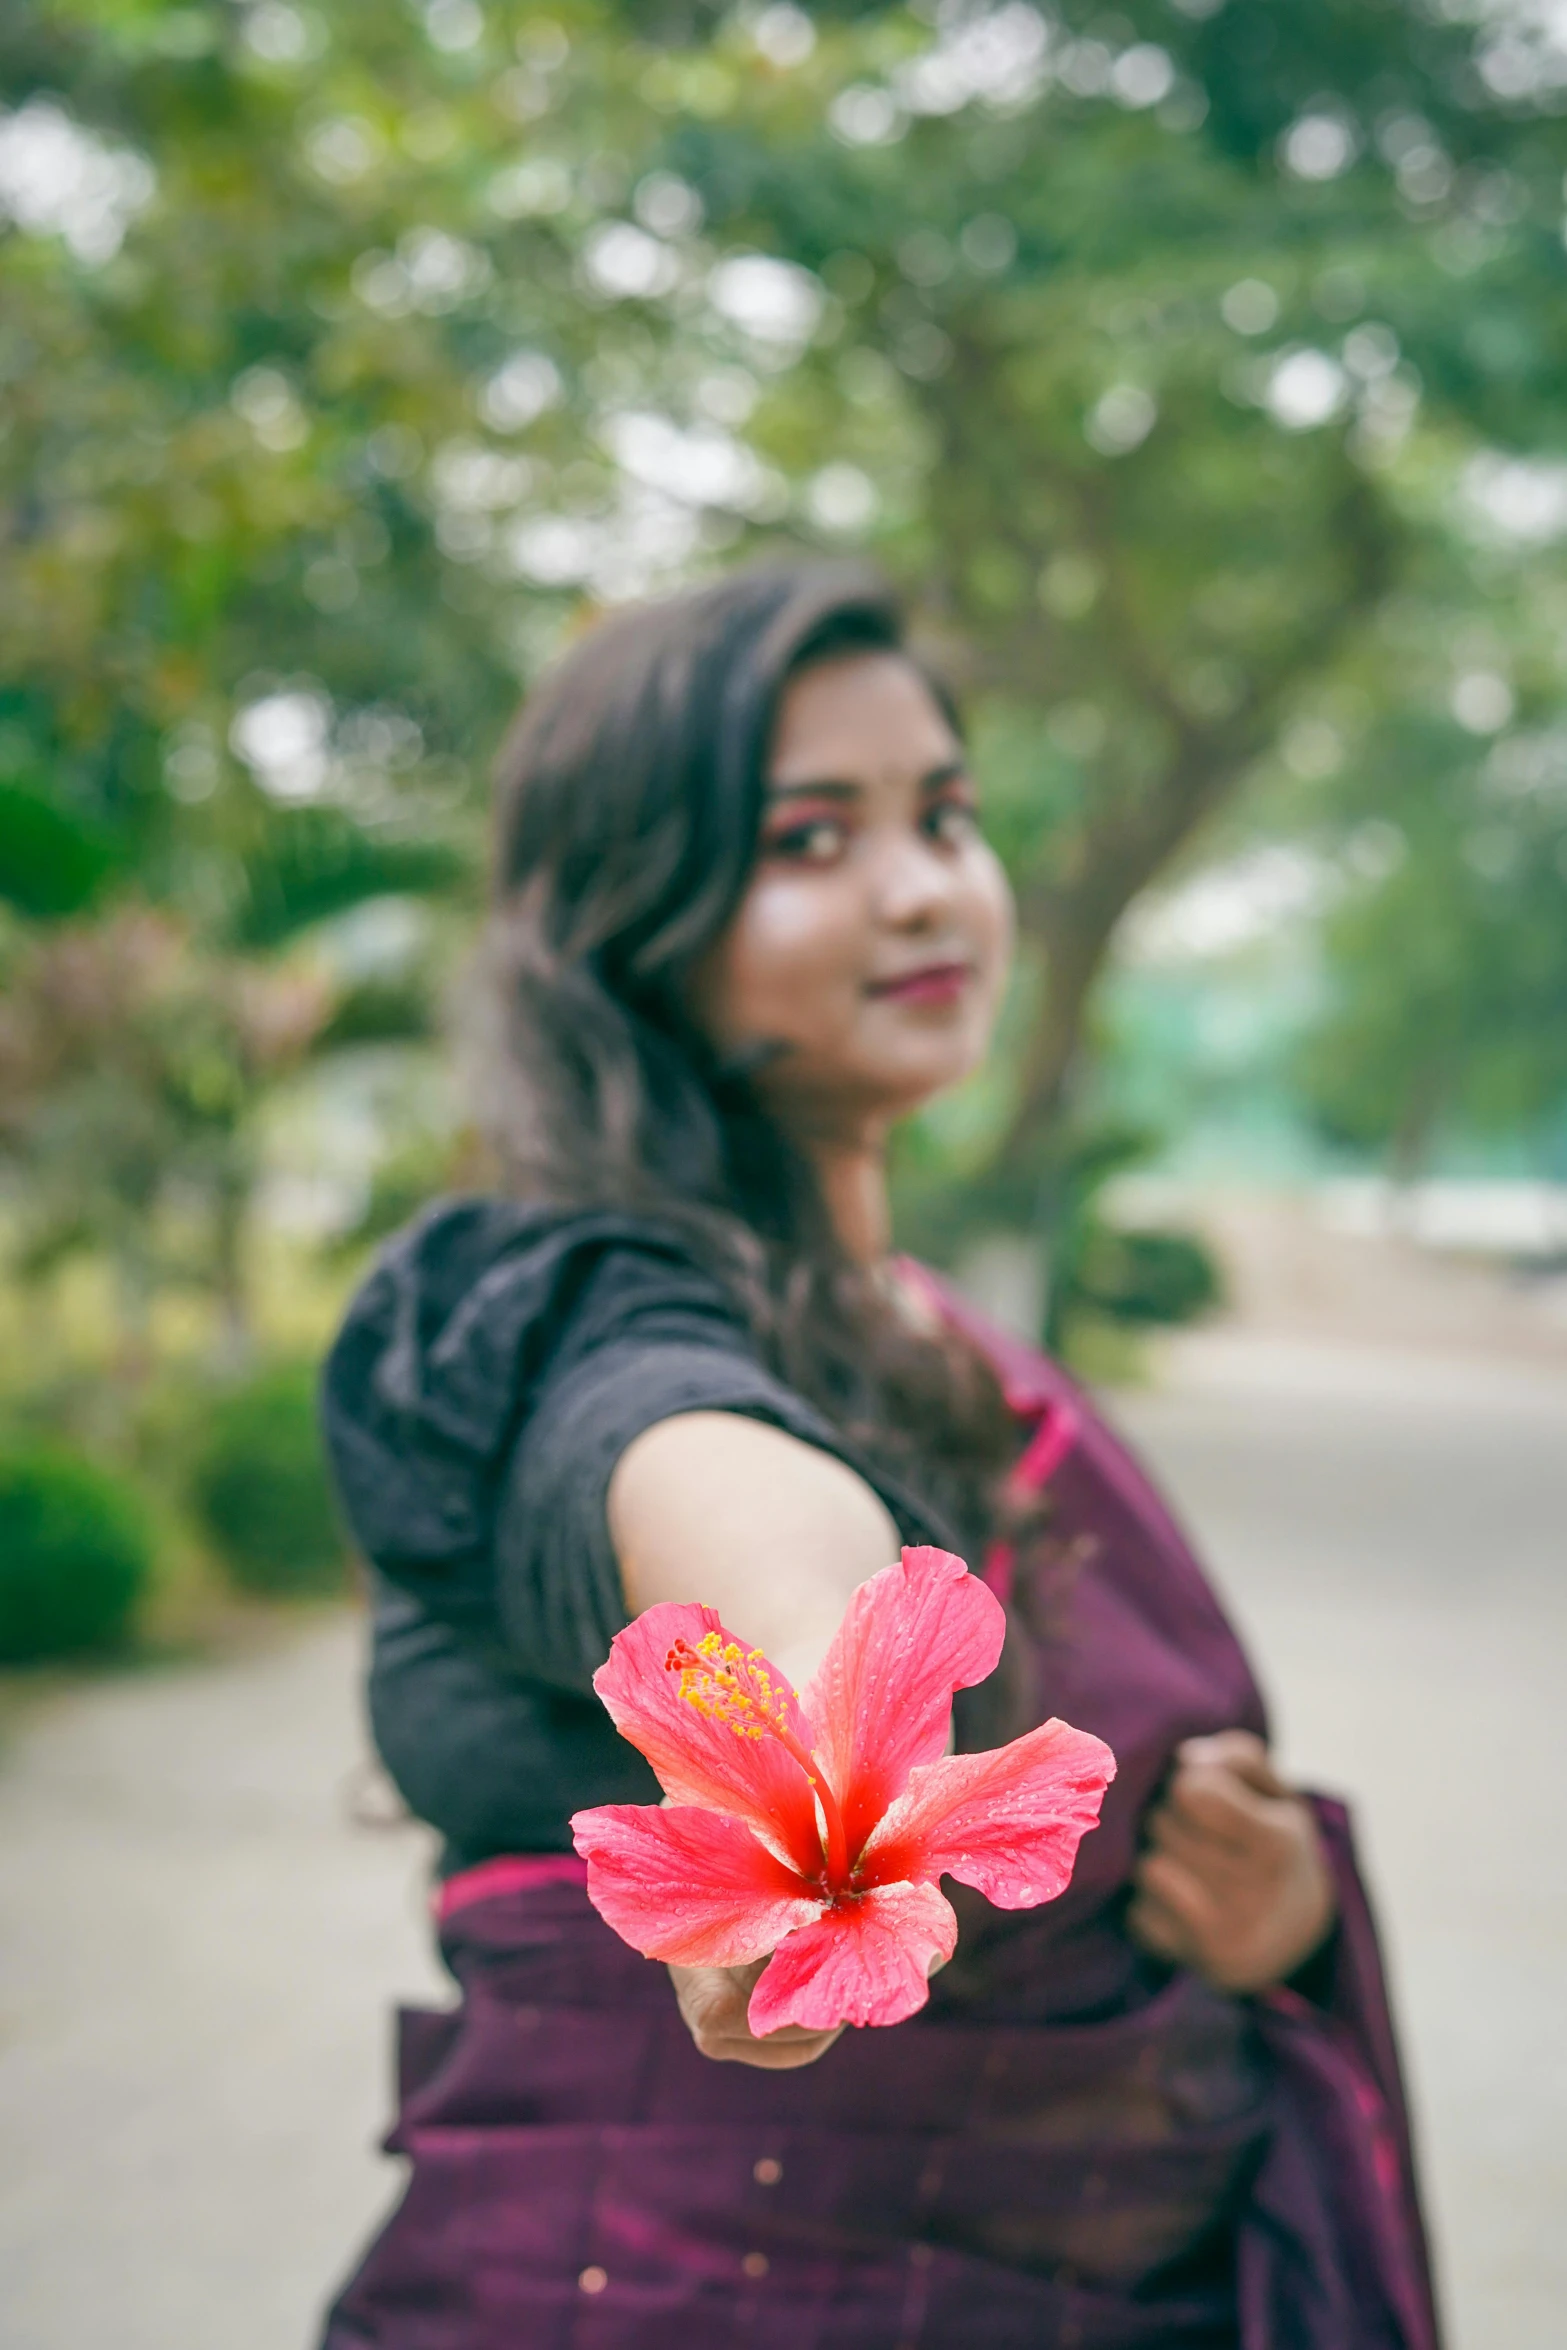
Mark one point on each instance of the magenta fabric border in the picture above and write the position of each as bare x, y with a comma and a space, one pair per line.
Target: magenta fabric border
513, 1872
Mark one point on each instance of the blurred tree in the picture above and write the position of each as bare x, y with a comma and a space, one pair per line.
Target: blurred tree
1189, 359
130, 1068
1447, 965
1192, 338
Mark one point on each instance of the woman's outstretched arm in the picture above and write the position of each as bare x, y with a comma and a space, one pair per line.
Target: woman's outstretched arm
773, 1532
777, 1536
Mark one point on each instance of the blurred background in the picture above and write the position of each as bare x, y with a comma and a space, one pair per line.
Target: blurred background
1200, 367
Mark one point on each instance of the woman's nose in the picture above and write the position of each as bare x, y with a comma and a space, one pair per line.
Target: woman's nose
912, 883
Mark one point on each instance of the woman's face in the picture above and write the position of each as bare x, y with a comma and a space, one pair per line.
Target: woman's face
873, 938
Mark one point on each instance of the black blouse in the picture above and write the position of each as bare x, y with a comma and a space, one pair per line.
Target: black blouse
487, 1377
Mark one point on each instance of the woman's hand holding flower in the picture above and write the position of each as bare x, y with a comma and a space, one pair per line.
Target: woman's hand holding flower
811, 1831
715, 2002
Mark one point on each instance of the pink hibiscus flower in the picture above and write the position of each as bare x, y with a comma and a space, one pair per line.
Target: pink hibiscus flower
816, 1826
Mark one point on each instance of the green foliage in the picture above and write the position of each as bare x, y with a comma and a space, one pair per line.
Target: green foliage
1145, 1278
130, 1058
1090, 1268
1166, 355
1445, 1013
50, 864
1097, 1270
322, 864
405, 1181
1449, 990
75, 1555
259, 1486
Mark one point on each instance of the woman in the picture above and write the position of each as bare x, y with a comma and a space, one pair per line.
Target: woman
744, 919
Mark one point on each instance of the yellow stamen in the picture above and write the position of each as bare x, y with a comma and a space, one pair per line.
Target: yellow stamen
728, 1684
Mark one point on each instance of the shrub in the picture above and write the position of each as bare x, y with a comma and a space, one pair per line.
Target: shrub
76, 1554
1147, 1277
259, 1485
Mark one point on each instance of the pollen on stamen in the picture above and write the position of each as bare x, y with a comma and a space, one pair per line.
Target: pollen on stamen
729, 1684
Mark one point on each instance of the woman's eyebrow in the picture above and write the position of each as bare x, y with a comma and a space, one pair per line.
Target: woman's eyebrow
831, 788
824, 789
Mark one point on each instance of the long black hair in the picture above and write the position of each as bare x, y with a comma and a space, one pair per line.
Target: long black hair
628, 810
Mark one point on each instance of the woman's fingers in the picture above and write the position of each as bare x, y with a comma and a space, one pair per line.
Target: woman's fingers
1181, 1891
713, 2002
771, 2055
1172, 1832
1159, 1930
1210, 1798
1237, 1751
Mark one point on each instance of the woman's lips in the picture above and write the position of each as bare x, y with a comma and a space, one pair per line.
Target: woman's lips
934, 983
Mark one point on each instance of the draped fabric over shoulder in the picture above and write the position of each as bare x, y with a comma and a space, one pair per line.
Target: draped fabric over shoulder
1070, 2145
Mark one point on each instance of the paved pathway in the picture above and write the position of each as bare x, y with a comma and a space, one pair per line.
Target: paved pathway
1391, 1531
197, 1955
198, 1948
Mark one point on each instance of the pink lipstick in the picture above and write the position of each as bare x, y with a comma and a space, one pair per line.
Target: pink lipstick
933, 983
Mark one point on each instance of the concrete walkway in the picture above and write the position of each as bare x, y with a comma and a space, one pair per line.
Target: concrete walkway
1391, 1533
198, 1951
198, 1948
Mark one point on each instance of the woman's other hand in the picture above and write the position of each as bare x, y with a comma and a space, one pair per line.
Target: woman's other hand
1233, 1882
713, 2001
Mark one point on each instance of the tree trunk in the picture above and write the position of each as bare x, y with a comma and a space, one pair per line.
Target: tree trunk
135, 1283
1422, 1106
1001, 488
1074, 943
236, 1338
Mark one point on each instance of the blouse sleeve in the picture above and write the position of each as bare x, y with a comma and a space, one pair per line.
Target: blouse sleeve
486, 1379
557, 1578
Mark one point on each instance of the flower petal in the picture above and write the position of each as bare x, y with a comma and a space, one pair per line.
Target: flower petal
866, 1962
687, 1886
1008, 1822
881, 1701
699, 1759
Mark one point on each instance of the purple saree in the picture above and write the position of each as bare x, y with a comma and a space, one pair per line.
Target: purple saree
1069, 2146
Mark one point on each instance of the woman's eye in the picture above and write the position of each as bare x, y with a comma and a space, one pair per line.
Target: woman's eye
953, 820
816, 843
